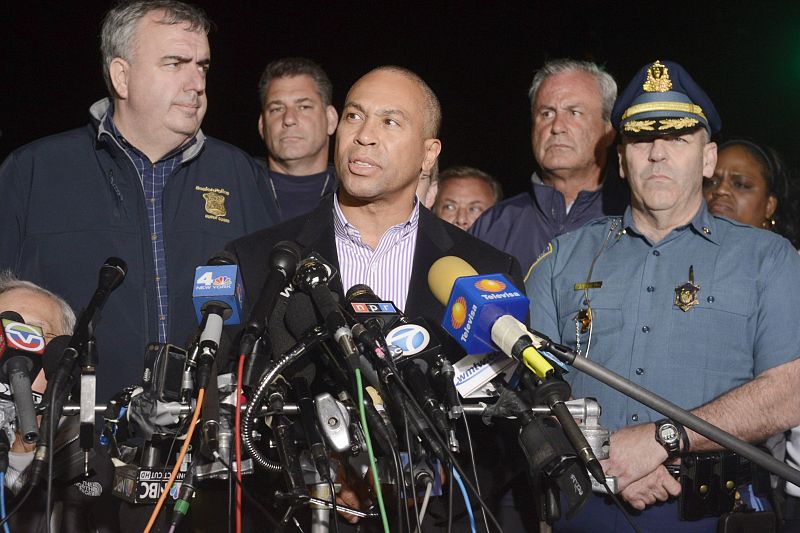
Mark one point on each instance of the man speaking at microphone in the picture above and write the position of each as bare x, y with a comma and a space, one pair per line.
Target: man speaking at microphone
696, 308
374, 230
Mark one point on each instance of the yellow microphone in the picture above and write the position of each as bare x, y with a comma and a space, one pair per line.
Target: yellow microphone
484, 312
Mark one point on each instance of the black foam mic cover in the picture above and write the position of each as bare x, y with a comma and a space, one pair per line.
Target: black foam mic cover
52, 355
299, 319
300, 316
548, 452
280, 338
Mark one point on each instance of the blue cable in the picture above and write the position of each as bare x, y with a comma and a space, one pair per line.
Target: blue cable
466, 500
3, 501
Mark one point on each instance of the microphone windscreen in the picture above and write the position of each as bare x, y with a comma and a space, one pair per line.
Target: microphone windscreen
323, 300
12, 315
52, 354
443, 275
111, 274
300, 316
359, 291
280, 338
223, 257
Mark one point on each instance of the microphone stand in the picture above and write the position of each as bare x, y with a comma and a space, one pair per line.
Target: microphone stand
669, 409
88, 362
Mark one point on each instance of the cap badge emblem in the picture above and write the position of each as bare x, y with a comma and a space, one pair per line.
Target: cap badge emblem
657, 79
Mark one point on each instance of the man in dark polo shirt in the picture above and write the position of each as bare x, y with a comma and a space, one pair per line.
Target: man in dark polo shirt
296, 121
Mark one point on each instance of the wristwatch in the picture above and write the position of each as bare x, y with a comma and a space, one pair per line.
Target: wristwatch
668, 435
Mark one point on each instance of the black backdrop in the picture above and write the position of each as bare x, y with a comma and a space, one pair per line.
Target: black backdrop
478, 56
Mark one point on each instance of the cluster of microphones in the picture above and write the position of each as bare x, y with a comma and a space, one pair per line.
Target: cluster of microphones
306, 387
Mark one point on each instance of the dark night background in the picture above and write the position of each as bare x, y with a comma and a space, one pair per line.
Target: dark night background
479, 57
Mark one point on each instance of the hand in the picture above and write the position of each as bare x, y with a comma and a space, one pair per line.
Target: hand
353, 490
635, 453
657, 486
348, 497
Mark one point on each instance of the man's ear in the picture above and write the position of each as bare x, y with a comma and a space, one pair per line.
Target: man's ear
333, 119
433, 148
119, 72
621, 157
709, 159
261, 126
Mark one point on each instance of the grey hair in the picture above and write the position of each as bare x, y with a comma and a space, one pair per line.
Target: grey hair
605, 81
472, 172
119, 27
9, 282
290, 67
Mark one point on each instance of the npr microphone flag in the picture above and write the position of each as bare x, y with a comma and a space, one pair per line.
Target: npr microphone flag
218, 283
476, 302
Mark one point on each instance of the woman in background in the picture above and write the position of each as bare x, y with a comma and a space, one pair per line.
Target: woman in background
751, 185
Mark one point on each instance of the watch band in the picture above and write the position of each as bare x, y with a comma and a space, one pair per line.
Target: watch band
684, 437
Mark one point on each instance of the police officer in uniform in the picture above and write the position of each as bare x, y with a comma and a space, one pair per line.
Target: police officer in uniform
698, 309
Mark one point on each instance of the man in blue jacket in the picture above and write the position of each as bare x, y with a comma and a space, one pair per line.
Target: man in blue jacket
571, 134
141, 182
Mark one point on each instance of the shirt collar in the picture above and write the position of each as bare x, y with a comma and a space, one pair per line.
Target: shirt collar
342, 229
703, 224
103, 111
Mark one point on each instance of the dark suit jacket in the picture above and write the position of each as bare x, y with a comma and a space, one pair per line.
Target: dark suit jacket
435, 239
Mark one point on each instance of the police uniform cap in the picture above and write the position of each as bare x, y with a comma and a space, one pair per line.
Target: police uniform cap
663, 99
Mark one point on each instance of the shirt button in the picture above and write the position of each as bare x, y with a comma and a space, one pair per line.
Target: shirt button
635, 417
162, 317
639, 371
154, 237
158, 278
710, 299
650, 288
645, 329
656, 253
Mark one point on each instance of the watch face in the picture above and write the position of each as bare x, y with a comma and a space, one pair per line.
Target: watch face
668, 433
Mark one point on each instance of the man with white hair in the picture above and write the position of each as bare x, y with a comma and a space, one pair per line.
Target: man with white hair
571, 135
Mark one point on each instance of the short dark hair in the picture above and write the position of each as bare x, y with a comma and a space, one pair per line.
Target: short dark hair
472, 172
119, 27
289, 67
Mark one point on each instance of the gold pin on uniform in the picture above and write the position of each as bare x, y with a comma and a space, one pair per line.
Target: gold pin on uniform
583, 319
